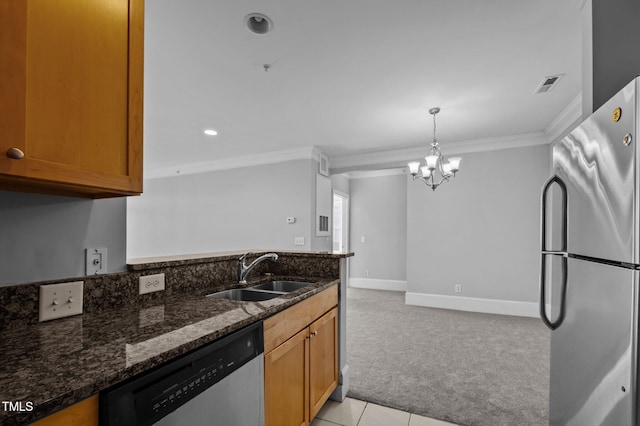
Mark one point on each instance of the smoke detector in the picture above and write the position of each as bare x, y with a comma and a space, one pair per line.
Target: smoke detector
548, 83
258, 23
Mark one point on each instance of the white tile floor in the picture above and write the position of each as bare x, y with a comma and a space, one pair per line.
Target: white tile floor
353, 412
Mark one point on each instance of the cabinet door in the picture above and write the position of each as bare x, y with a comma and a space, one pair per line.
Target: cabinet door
323, 359
286, 382
71, 84
83, 413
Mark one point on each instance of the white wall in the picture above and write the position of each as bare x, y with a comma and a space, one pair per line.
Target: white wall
481, 230
379, 213
236, 209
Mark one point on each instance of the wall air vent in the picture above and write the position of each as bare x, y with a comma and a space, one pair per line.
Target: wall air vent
323, 225
548, 83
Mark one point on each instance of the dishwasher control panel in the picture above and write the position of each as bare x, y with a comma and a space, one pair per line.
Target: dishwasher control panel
150, 396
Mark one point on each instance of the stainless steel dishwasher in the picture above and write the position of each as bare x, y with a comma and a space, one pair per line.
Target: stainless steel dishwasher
219, 384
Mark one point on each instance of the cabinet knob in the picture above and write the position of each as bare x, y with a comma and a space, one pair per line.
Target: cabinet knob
15, 153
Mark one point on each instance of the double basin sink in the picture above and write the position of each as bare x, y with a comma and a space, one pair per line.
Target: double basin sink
264, 291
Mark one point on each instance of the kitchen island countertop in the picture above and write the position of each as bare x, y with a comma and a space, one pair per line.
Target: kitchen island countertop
56, 364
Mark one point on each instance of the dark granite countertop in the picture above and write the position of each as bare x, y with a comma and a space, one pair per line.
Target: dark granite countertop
58, 363
190, 259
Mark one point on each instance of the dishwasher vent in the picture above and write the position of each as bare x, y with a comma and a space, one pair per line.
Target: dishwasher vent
548, 83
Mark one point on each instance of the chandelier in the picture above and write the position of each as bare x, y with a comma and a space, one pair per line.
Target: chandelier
435, 163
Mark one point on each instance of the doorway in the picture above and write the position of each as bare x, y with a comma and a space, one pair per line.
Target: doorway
340, 222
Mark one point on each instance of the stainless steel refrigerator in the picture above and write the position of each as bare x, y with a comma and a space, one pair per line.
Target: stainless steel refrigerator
590, 265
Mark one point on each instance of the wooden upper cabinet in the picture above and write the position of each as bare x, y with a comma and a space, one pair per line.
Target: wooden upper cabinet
71, 79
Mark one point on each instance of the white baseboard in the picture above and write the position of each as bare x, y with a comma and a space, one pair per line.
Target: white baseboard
473, 304
375, 284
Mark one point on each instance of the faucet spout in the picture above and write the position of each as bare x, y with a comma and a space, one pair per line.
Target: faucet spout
243, 269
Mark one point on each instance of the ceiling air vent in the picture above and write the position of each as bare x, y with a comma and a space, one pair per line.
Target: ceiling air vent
548, 83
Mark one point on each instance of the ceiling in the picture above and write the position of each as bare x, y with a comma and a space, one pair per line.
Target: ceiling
351, 77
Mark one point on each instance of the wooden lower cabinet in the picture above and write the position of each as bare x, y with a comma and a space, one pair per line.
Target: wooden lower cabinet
286, 382
301, 373
323, 360
84, 413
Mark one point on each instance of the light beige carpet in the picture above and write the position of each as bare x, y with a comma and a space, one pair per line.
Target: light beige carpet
462, 367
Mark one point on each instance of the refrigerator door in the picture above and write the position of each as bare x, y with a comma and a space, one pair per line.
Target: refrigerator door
599, 171
592, 352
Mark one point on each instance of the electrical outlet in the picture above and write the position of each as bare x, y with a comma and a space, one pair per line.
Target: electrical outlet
95, 261
298, 241
458, 288
151, 283
60, 300
363, 239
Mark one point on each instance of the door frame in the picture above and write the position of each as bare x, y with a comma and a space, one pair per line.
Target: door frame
344, 221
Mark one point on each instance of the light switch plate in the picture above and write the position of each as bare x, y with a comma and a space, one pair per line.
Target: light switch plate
151, 283
60, 300
96, 261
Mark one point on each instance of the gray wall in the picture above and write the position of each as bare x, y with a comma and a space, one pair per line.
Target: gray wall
616, 38
481, 230
44, 237
610, 38
379, 213
341, 183
235, 209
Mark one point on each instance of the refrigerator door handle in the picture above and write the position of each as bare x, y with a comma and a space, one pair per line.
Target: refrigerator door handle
543, 214
552, 325
544, 252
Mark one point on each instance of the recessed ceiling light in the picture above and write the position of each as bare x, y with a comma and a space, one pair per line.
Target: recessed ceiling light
258, 23
210, 132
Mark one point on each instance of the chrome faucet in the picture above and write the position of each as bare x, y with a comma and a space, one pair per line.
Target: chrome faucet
243, 270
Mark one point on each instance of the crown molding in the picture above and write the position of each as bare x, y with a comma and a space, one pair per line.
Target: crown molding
363, 174
408, 154
562, 124
305, 153
389, 159
566, 121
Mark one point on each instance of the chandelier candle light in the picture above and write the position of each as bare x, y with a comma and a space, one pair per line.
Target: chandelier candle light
435, 162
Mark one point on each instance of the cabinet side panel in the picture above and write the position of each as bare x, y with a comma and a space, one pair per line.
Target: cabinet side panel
136, 93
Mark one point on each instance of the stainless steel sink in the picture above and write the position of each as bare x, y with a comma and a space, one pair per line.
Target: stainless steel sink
281, 286
245, 294
264, 291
